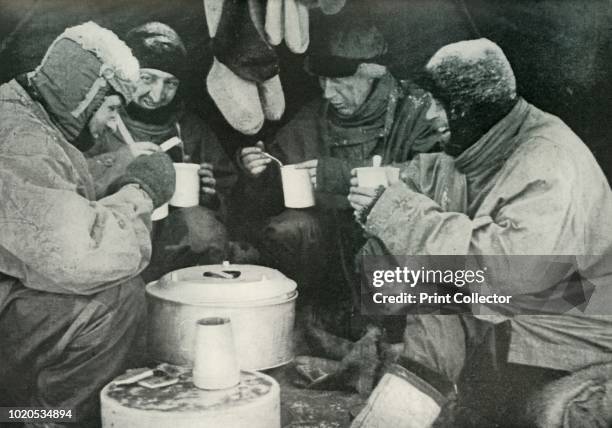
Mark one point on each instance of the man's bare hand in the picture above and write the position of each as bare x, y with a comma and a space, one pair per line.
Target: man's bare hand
362, 197
311, 166
254, 160
207, 178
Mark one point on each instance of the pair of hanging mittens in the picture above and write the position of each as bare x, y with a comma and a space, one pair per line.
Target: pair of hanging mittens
289, 20
243, 80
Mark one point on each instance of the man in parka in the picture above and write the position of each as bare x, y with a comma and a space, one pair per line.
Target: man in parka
364, 111
521, 196
70, 294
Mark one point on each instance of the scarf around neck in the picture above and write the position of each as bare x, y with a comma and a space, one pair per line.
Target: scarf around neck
483, 160
367, 123
152, 125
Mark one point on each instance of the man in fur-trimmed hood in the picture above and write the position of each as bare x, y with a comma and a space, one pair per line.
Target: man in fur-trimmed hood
70, 294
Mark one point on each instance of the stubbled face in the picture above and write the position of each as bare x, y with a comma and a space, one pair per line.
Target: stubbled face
106, 116
155, 89
346, 94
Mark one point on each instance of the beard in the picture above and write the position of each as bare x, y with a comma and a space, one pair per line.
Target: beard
474, 122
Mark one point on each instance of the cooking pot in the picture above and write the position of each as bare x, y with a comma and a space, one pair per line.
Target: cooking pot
259, 301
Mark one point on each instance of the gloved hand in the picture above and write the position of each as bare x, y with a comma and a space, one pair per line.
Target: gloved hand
154, 173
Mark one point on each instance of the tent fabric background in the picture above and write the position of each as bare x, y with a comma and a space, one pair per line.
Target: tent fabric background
560, 49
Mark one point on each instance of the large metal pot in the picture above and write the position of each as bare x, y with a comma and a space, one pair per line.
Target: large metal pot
259, 301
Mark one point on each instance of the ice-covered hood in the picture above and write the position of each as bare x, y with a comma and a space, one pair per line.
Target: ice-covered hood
80, 68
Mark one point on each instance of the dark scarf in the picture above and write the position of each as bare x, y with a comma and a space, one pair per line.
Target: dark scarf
485, 158
152, 125
158, 116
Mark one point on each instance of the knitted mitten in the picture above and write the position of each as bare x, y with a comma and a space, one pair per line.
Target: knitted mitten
154, 173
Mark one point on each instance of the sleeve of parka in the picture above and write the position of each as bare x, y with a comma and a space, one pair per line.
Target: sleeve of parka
53, 239
105, 168
533, 213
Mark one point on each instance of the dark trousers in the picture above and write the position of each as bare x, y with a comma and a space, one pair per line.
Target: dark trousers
59, 350
299, 244
187, 237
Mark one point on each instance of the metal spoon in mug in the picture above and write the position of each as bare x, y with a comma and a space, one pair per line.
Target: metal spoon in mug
376, 161
273, 158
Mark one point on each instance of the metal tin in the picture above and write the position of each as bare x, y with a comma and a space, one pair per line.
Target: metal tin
259, 301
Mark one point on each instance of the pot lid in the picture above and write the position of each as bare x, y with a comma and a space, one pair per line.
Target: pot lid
224, 283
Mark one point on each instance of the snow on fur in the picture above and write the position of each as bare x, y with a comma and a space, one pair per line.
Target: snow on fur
105, 45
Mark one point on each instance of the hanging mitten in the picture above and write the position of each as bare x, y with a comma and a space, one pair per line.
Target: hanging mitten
213, 10
237, 99
241, 47
272, 98
297, 34
257, 12
274, 25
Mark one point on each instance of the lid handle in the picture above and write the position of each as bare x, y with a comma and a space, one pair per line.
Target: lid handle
224, 274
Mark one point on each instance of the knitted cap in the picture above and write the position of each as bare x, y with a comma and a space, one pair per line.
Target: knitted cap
78, 71
349, 50
158, 46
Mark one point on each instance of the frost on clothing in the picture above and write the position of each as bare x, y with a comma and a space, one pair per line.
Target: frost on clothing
188, 236
70, 293
55, 237
527, 187
309, 244
390, 123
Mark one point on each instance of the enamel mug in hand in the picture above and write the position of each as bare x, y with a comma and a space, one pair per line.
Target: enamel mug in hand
215, 363
297, 188
187, 191
160, 213
372, 176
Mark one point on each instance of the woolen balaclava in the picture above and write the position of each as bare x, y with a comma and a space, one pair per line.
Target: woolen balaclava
159, 47
475, 82
78, 71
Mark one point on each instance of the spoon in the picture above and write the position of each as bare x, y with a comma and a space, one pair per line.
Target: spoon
376, 161
168, 144
273, 158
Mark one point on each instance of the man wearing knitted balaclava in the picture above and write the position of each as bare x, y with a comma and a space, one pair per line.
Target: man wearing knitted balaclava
157, 113
524, 199
163, 59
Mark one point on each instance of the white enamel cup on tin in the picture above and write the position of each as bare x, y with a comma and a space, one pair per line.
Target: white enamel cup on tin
215, 363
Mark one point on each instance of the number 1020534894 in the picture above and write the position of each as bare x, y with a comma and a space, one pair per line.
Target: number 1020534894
36, 414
